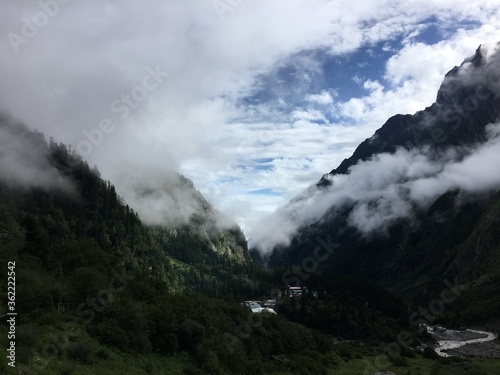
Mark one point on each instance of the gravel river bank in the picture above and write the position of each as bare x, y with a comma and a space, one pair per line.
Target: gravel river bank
468, 342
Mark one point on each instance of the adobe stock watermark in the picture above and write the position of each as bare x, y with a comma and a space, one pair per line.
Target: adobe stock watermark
222, 7
121, 108
31, 26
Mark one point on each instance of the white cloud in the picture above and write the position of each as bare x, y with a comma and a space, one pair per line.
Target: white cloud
323, 98
372, 85
25, 160
91, 53
309, 115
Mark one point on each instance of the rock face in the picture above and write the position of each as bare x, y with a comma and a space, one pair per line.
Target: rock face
449, 238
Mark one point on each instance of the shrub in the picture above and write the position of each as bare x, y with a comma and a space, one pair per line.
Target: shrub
190, 334
80, 352
67, 370
27, 338
149, 367
346, 353
430, 353
124, 327
407, 352
307, 365
110, 333
86, 282
27, 335
35, 292
193, 370
401, 362
102, 353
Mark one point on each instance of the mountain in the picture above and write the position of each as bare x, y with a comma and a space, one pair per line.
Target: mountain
100, 291
179, 208
415, 207
466, 102
48, 185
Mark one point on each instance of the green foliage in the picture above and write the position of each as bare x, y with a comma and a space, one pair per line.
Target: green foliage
80, 352
217, 274
27, 337
102, 353
109, 332
306, 365
190, 334
67, 370
401, 362
348, 308
430, 353
85, 282
35, 290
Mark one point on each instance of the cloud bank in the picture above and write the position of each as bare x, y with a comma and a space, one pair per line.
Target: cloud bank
25, 159
169, 200
256, 99
386, 188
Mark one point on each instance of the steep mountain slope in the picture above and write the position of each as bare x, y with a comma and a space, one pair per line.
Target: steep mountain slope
48, 186
208, 252
171, 201
414, 206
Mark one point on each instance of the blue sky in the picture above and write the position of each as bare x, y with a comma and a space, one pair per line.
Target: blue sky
254, 104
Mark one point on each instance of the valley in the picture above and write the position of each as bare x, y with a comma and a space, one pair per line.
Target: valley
401, 236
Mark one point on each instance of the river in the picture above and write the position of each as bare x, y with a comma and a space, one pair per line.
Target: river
450, 340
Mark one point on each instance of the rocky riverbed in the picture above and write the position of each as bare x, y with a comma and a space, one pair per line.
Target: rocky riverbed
488, 349
467, 342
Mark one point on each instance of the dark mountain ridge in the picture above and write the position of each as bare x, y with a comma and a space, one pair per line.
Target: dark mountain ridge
459, 116
445, 241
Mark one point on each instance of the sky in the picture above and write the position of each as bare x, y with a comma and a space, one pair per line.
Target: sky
252, 100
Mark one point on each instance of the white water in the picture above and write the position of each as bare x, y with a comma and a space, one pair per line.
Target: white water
453, 344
